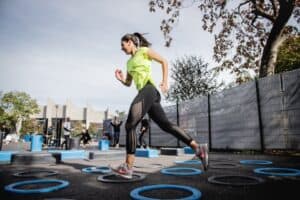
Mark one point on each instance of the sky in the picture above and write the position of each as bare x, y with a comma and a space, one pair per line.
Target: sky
69, 49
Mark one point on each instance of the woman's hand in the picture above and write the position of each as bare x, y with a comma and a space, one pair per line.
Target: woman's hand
119, 75
126, 80
164, 87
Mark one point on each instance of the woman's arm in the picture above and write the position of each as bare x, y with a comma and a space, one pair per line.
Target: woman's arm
164, 64
126, 81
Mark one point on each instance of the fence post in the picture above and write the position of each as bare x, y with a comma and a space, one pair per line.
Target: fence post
261, 133
177, 120
209, 122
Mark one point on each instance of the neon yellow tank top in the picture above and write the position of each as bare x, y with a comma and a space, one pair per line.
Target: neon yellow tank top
139, 67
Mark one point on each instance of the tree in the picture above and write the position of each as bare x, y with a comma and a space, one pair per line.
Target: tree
77, 127
29, 126
121, 114
3, 117
288, 55
17, 107
192, 79
93, 129
251, 30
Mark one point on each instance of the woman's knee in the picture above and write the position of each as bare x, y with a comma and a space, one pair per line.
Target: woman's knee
130, 124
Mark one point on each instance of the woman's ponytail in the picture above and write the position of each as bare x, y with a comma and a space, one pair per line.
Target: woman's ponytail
142, 41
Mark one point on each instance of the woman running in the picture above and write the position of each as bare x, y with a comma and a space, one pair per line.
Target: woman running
147, 100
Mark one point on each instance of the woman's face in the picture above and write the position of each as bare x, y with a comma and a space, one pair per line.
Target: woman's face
126, 46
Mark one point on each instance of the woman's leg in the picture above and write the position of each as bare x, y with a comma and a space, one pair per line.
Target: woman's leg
158, 115
139, 107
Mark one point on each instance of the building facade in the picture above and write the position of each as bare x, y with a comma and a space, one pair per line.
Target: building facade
87, 115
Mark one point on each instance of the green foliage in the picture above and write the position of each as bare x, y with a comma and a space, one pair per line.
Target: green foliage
192, 79
121, 114
93, 129
288, 57
3, 116
29, 126
16, 106
77, 127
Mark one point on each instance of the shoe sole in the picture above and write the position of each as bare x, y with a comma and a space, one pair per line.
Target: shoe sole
116, 172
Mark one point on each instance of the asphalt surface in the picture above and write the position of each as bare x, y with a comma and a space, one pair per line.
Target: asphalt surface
85, 186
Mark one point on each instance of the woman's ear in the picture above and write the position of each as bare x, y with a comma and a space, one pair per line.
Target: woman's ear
130, 43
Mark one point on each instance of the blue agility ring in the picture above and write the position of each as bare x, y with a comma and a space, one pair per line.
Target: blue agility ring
135, 194
102, 170
273, 171
191, 162
256, 162
174, 171
12, 187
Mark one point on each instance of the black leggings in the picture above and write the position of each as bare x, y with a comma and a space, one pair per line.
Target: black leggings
148, 101
116, 137
142, 141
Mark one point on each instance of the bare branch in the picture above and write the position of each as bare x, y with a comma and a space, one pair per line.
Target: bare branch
253, 21
274, 7
241, 4
259, 11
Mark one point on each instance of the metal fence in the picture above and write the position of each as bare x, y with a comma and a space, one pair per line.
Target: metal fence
258, 115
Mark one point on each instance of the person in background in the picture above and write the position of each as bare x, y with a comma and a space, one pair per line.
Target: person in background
144, 128
116, 124
4, 132
67, 133
107, 133
49, 135
85, 137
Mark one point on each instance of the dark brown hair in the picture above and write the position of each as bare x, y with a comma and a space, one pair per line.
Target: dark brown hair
138, 39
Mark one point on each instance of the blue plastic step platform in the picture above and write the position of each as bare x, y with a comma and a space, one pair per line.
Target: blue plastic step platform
5, 156
171, 151
70, 154
188, 150
148, 153
103, 145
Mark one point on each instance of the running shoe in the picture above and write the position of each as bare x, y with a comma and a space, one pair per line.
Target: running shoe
123, 171
202, 154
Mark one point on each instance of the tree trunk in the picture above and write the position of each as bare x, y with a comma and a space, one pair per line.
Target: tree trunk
269, 56
18, 126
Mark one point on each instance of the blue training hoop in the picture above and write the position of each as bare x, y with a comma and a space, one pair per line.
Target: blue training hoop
271, 171
102, 170
135, 194
174, 171
12, 187
256, 162
191, 162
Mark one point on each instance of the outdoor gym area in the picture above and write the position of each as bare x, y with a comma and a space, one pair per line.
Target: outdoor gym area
253, 140
169, 173
173, 99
